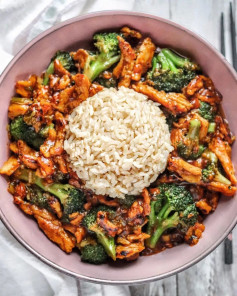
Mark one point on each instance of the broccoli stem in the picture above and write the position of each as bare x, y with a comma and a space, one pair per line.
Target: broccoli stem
166, 64
100, 65
152, 217
155, 237
56, 189
66, 61
164, 210
211, 127
107, 55
167, 212
162, 227
220, 178
212, 169
155, 64
194, 129
106, 242
172, 207
48, 72
190, 148
177, 60
171, 72
172, 67
163, 223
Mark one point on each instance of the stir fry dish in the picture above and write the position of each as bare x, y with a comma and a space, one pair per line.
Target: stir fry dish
120, 150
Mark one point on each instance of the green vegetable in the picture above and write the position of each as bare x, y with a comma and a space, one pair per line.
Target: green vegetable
19, 130
211, 172
111, 82
71, 198
89, 221
211, 127
66, 61
170, 119
44, 132
21, 101
60, 177
189, 147
207, 111
173, 207
107, 55
127, 201
94, 254
171, 72
37, 197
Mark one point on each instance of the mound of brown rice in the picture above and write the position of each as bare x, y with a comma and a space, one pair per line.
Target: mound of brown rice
118, 142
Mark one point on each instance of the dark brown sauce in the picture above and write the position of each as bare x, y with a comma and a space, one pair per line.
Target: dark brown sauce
148, 252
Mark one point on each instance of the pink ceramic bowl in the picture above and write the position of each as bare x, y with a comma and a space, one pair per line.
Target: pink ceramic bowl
71, 35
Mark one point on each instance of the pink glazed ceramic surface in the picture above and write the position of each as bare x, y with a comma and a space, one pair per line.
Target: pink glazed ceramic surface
71, 35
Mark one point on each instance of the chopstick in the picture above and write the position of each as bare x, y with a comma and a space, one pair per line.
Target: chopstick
233, 38
222, 34
228, 249
228, 246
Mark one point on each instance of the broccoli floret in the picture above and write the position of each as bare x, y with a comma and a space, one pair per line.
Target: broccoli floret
189, 217
170, 118
65, 59
171, 72
189, 147
94, 254
89, 221
44, 132
106, 82
173, 207
37, 197
207, 111
127, 201
106, 42
19, 130
107, 55
71, 198
60, 177
211, 127
211, 171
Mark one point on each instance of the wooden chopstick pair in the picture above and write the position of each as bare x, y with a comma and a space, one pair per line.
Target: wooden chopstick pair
232, 34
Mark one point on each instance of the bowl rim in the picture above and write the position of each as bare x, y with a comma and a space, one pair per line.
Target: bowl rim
3, 218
